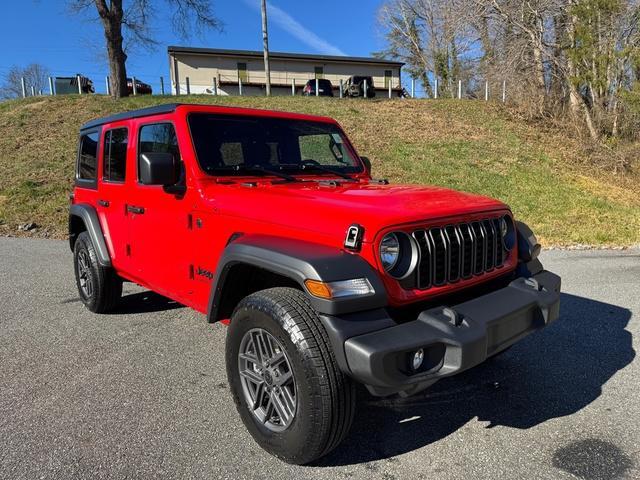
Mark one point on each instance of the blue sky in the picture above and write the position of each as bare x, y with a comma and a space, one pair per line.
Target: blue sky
43, 31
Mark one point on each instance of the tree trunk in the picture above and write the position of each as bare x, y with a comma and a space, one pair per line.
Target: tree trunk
112, 22
576, 102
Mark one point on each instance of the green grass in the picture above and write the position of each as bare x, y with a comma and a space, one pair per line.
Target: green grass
543, 174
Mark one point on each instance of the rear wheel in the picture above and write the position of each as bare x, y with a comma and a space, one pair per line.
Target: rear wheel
292, 397
99, 287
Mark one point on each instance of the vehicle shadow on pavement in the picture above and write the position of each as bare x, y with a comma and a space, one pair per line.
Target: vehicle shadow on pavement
550, 374
144, 302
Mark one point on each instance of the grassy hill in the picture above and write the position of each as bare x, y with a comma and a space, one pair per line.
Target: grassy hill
543, 174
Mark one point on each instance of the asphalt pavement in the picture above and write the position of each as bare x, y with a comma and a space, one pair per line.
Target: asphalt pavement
143, 393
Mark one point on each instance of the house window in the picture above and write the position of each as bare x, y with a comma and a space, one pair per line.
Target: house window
242, 72
388, 77
319, 72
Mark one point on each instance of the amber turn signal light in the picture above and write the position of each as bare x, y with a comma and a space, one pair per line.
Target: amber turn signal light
339, 289
318, 289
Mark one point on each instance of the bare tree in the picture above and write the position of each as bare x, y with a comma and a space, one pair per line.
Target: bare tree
34, 74
132, 19
430, 36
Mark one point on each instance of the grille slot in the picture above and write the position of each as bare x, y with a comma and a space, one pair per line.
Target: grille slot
459, 251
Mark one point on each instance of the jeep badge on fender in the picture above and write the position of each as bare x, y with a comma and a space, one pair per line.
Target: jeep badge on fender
326, 277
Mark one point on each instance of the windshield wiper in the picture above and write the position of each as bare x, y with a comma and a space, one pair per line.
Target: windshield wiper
323, 168
263, 170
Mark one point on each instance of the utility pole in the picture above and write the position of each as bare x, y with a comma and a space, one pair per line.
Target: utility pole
265, 48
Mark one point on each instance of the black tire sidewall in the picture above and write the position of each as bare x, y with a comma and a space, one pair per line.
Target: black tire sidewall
297, 440
83, 243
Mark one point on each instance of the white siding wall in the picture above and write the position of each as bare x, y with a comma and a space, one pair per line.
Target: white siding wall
202, 69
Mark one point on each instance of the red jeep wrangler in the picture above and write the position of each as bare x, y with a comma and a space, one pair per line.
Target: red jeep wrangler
270, 221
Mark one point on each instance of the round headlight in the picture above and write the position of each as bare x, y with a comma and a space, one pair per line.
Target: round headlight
389, 251
503, 227
507, 232
398, 254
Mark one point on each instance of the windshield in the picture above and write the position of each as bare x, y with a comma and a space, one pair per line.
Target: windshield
232, 145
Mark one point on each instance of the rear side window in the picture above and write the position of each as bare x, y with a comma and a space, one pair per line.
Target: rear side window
115, 155
88, 156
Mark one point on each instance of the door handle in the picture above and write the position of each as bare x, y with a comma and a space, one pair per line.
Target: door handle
103, 203
134, 209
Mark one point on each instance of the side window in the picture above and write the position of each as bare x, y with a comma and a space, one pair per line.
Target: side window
88, 156
115, 155
158, 137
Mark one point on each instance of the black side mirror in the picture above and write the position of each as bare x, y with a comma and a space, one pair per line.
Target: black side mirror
158, 168
367, 164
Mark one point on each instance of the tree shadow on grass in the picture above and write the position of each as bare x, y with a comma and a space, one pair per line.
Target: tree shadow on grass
550, 374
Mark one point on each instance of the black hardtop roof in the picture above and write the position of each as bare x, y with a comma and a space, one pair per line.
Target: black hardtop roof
141, 112
171, 107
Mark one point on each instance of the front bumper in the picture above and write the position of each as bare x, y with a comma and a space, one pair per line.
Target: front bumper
454, 338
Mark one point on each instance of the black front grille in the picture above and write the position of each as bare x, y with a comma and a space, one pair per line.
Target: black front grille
459, 251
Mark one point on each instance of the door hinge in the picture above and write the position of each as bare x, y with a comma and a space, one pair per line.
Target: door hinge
191, 272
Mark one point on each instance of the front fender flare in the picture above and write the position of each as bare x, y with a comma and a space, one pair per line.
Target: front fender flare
299, 261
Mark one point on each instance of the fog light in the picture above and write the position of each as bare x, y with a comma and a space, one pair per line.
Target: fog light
417, 360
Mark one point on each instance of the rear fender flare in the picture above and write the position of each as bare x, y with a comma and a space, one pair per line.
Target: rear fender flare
89, 217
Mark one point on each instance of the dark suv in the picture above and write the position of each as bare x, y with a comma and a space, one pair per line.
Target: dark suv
325, 89
359, 86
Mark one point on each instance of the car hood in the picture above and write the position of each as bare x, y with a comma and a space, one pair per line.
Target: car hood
331, 209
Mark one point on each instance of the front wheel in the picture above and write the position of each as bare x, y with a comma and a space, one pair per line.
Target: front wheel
292, 397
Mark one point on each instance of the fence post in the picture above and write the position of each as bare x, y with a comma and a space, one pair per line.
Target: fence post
435, 91
459, 89
79, 84
293, 87
413, 88
188, 85
24, 87
239, 86
33, 91
389, 88
364, 85
162, 85
51, 92
317, 87
341, 87
107, 84
215, 86
134, 86
504, 91
486, 90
